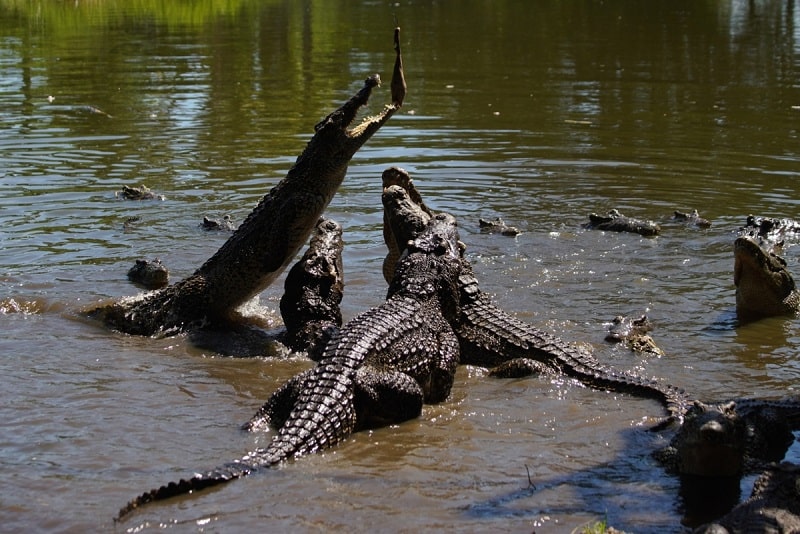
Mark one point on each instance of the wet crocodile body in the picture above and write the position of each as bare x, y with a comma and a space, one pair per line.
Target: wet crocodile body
150, 274
313, 291
309, 306
490, 337
773, 506
268, 239
764, 286
732, 438
617, 222
378, 369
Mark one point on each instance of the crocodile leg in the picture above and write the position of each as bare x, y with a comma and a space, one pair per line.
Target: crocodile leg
386, 397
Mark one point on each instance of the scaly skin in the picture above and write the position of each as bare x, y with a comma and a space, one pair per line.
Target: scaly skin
378, 369
313, 291
764, 286
269, 238
490, 337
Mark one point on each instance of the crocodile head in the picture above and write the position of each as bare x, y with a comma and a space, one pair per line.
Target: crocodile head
149, 274
712, 441
764, 286
334, 142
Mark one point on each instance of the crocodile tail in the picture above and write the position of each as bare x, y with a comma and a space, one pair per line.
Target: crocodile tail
185, 487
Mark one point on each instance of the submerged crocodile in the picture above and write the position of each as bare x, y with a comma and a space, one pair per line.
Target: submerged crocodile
224, 224
138, 193
497, 226
491, 337
633, 333
149, 274
617, 222
764, 286
692, 218
732, 438
267, 241
377, 370
773, 506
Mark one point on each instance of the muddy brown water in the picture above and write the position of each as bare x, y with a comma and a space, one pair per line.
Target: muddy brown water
538, 113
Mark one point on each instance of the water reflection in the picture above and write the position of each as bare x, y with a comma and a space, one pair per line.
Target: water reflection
539, 115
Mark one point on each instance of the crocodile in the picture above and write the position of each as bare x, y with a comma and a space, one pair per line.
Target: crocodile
692, 218
268, 239
497, 226
633, 333
773, 505
138, 193
149, 274
492, 338
313, 291
764, 286
732, 438
224, 224
309, 306
378, 369
617, 222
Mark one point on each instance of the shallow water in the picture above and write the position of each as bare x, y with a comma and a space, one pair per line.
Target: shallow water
540, 115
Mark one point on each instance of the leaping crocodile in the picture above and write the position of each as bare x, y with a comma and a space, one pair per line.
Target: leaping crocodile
378, 369
267, 241
491, 337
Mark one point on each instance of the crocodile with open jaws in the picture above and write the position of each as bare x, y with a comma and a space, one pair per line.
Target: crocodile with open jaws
491, 337
267, 241
378, 369
764, 286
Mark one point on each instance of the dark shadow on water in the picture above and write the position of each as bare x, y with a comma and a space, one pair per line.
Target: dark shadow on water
632, 492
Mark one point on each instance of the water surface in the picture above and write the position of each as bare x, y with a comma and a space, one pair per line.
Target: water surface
540, 113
